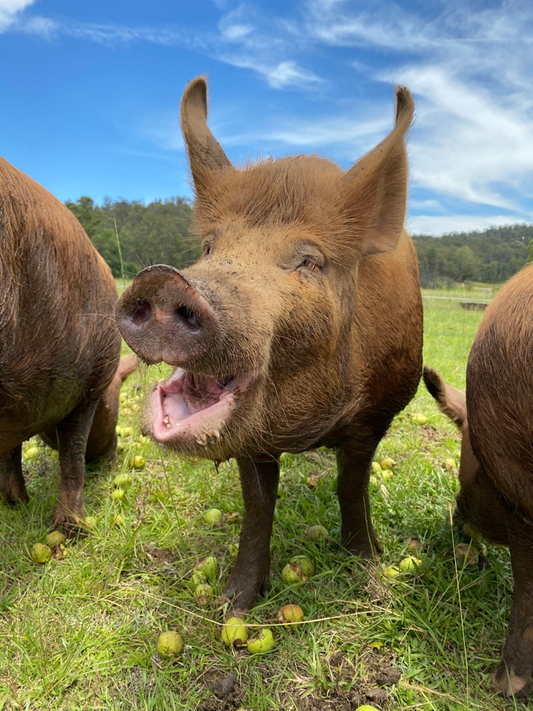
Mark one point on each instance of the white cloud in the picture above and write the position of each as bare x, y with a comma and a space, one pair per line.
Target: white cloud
10, 10
471, 70
279, 76
445, 224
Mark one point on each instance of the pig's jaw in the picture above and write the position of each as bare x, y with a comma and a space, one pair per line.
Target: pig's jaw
194, 408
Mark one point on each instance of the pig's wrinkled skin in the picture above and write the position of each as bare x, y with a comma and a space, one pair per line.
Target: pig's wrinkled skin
300, 326
59, 346
496, 470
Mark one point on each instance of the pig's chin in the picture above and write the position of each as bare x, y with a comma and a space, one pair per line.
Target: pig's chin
193, 409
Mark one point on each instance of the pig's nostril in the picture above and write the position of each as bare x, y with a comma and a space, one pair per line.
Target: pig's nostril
190, 318
141, 313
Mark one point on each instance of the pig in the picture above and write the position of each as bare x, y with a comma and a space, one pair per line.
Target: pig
59, 345
300, 326
496, 473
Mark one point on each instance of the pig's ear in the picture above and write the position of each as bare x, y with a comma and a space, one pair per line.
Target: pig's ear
205, 153
374, 190
451, 402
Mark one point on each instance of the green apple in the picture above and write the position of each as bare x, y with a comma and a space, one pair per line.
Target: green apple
305, 564
55, 538
410, 564
264, 642
213, 517
169, 644
387, 463
40, 553
317, 533
234, 632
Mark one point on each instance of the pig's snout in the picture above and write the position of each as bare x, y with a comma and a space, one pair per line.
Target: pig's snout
163, 317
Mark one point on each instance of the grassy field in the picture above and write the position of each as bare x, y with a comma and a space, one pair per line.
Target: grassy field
80, 632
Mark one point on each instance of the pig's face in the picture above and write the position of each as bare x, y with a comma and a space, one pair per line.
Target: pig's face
257, 344
260, 327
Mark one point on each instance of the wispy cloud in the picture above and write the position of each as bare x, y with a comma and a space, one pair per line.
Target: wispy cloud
10, 11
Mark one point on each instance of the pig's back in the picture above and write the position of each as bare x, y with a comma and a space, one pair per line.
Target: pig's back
57, 337
499, 390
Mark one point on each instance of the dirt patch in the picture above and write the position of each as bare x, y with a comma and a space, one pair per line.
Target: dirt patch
158, 556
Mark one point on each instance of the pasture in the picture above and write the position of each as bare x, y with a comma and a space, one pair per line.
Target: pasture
80, 632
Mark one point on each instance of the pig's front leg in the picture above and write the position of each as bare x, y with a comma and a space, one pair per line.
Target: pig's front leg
12, 486
259, 481
72, 434
354, 458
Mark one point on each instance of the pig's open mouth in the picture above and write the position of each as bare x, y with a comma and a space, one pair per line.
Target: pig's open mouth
195, 406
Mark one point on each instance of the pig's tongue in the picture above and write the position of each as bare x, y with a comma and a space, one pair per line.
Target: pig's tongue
200, 391
188, 405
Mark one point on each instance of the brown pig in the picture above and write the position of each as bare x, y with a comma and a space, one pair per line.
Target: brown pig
59, 346
300, 325
497, 457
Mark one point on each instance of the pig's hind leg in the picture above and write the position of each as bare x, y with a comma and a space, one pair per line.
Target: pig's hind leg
259, 481
514, 676
12, 486
354, 458
72, 434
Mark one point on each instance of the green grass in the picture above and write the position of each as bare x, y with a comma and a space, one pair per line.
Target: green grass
80, 633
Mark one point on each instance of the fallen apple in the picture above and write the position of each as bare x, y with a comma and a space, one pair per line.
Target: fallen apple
376, 467
387, 463
234, 632
419, 419
40, 553
391, 571
305, 564
137, 462
410, 564
203, 593
233, 549
289, 614
208, 568
118, 494
122, 481
89, 523
213, 517
317, 533
169, 644
32, 453
292, 574
264, 642
450, 465
55, 538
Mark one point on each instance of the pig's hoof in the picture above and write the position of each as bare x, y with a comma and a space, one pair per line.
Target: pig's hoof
15, 497
70, 524
243, 595
506, 682
366, 550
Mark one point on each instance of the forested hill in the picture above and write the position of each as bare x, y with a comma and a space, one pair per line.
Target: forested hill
160, 232
490, 256
157, 233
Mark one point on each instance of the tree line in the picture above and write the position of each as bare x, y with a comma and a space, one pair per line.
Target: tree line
131, 235
491, 256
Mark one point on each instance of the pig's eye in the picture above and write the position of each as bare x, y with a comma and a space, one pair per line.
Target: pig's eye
309, 264
206, 250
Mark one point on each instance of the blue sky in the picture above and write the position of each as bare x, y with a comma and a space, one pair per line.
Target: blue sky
90, 92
